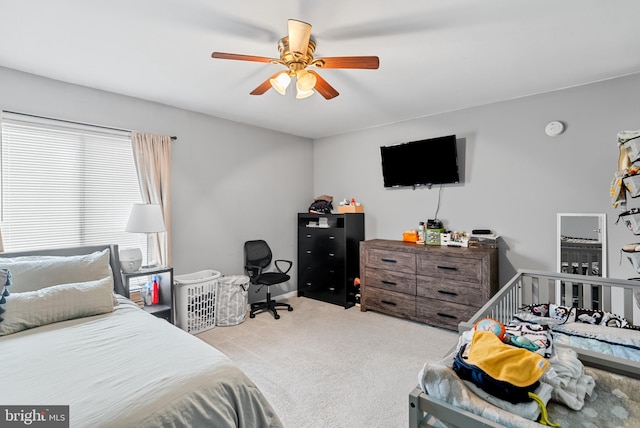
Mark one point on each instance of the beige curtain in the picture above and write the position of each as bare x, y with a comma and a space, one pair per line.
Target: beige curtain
152, 154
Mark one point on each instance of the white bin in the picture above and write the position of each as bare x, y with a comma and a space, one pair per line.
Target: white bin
232, 300
196, 300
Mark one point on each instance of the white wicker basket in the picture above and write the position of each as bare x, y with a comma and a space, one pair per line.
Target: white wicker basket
196, 300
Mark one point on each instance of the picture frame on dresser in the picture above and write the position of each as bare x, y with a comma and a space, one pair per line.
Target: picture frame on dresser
435, 285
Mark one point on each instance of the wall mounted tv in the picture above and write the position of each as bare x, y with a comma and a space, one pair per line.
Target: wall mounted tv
421, 163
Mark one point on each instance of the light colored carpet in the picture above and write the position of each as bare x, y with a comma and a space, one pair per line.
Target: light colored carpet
325, 366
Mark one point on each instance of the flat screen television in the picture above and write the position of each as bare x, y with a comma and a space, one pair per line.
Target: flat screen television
421, 163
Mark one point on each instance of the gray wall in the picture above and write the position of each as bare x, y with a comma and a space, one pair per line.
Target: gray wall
516, 178
230, 182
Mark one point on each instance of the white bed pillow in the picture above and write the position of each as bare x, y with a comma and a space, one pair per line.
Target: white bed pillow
56, 303
30, 273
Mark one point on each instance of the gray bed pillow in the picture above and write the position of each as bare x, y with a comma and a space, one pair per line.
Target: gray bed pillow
62, 302
30, 273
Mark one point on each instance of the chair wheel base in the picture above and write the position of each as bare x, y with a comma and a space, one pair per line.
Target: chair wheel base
268, 306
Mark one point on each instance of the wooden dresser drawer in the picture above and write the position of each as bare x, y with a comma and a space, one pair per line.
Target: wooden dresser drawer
451, 268
442, 314
449, 291
435, 285
392, 260
400, 282
389, 302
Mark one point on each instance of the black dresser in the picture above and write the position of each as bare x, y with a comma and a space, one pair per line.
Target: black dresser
329, 256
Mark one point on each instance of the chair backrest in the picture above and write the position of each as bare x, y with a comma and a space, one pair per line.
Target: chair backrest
256, 253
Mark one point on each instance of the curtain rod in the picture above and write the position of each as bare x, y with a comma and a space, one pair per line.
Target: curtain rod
173, 137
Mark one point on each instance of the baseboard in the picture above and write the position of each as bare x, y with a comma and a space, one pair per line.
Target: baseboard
286, 295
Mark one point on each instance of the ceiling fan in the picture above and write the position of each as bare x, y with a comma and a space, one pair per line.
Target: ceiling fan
296, 54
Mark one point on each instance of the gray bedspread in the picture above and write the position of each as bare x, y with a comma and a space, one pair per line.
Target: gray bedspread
128, 368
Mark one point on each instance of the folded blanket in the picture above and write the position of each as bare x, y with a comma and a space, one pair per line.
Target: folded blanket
567, 377
530, 410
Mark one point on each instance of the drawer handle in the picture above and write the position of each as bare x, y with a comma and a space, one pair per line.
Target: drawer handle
448, 293
308, 251
386, 302
332, 237
308, 235
388, 282
447, 268
308, 284
446, 315
389, 260
332, 255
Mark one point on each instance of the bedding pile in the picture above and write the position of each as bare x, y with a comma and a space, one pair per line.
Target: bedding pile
515, 376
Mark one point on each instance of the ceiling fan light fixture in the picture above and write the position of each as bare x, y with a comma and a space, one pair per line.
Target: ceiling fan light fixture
300, 94
305, 81
281, 82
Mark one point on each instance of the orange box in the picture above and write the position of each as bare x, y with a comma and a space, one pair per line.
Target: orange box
345, 209
410, 236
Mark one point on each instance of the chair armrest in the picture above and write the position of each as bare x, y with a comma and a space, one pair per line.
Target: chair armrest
288, 262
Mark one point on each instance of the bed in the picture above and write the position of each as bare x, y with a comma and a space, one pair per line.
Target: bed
70, 338
442, 399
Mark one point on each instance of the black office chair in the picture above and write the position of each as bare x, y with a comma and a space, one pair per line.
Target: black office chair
257, 257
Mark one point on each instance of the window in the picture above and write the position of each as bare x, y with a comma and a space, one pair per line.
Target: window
65, 184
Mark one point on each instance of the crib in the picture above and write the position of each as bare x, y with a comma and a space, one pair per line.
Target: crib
531, 287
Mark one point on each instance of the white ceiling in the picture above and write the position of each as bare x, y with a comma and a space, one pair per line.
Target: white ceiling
435, 55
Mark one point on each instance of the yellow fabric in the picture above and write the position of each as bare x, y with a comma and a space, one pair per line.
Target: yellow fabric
517, 366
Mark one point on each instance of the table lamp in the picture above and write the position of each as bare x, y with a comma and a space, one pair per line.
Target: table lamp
147, 218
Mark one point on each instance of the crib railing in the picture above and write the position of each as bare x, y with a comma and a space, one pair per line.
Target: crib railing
590, 292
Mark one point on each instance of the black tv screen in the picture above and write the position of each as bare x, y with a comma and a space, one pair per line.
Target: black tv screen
421, 163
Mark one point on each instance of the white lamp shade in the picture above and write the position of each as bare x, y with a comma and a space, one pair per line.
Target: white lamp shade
305, 81
145, 218
304, 94
281, 82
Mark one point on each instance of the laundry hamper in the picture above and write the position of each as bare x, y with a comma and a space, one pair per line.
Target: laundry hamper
196, 300
232, 300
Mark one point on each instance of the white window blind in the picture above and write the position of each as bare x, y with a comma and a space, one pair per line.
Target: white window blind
65, 184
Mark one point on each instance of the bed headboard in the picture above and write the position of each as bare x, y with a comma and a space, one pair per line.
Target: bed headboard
114, 259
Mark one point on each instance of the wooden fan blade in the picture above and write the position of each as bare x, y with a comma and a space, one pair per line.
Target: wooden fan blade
299, 35
264, 86
368, 62
324, 88
239, 57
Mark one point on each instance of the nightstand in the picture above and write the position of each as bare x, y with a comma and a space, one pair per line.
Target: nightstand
139, 278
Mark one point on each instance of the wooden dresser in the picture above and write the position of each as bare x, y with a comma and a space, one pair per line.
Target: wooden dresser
440, 286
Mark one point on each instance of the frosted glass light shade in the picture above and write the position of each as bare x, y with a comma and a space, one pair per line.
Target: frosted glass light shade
281, 82
304, 94
145, 218
305, 81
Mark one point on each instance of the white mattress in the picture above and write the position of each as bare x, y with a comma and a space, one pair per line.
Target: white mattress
128, 368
